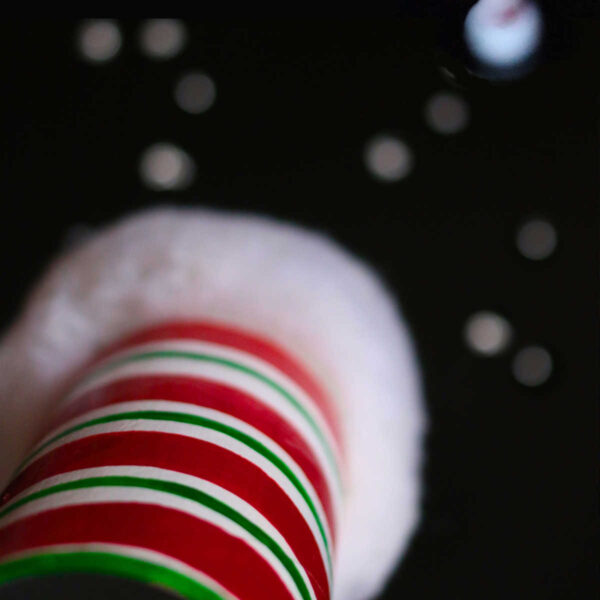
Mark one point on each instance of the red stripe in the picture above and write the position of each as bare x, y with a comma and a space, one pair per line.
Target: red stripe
202, 392
226, 559
246, 342
193, 457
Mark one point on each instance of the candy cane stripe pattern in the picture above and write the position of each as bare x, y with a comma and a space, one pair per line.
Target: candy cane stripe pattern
204, 404
193, 456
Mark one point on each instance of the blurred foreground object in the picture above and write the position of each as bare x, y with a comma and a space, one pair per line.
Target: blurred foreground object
212, 299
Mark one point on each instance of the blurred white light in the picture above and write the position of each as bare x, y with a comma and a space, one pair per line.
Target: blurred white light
536, 239
162, 38
388, 158
98, 40
487, 333
532, 366
195, 92
446, 113
166, 167
503, 33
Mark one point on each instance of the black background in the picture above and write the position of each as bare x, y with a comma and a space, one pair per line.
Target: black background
510, 507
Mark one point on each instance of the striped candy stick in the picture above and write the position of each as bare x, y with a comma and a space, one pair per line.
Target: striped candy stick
190, 455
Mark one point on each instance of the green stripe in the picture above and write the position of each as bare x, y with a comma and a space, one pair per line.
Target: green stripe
183, 491
239, 367
209, 424
107, 564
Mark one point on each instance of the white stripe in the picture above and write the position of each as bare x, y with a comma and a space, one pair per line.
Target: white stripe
241, 357
128, 495
208, 413
222, 374
215, 491
214, 415
232, 378
211, 436
144, 554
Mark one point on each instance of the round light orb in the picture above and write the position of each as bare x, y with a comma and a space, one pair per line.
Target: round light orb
532, 366
536, 239
446, 113
503, 33
162, 39
195, 92
388, 159
487, 333
166, 167
98, 40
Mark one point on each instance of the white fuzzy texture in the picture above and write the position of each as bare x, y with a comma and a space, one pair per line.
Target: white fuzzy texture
290, 285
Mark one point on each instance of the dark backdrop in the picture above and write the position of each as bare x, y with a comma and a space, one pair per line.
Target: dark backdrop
510, 509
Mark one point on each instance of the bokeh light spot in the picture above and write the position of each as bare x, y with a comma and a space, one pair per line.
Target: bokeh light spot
532, 366
98, 41
446, 113
195, 92
388, 159
162, 39
166, 167
487, 333
536, 239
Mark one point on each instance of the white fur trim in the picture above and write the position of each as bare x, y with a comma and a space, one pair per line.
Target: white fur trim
288, 284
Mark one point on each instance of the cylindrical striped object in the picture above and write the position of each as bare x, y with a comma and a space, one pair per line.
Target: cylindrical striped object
192, 456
